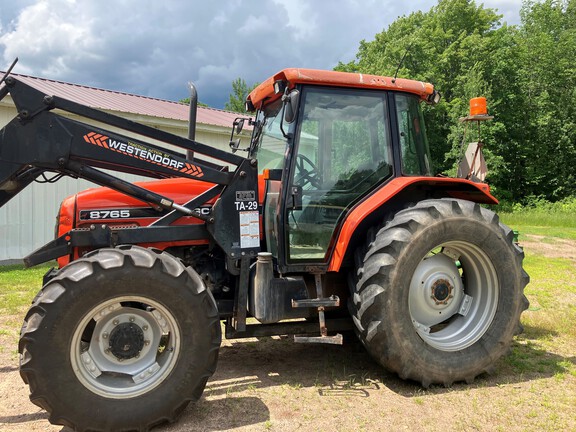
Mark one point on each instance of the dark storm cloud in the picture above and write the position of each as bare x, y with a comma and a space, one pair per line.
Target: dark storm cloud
154, 48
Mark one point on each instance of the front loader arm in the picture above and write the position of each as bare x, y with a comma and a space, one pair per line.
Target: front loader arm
41, 140
38, 137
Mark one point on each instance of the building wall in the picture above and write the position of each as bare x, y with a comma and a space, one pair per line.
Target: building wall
28, 220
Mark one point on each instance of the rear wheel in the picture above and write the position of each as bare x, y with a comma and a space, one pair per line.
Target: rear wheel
439, 292
129, 333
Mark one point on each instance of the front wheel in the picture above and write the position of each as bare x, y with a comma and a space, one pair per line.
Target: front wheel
128, 333
439, 292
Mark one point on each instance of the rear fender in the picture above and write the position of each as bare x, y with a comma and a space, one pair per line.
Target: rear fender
393, 196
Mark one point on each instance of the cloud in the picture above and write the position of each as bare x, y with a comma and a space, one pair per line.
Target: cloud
508, 8
50, 40
9, 11
154, 48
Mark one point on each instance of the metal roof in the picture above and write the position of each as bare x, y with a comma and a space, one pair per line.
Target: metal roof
126, 102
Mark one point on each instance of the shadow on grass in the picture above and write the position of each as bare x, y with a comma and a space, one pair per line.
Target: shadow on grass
24, 418
350, 371
527, 359
534, 332
219, 415
7, 369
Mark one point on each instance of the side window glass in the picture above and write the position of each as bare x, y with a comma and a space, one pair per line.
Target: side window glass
413, 142
271, 145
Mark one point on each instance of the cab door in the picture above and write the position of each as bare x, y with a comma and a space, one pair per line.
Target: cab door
341, 151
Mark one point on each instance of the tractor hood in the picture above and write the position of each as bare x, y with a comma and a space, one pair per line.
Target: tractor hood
104, 205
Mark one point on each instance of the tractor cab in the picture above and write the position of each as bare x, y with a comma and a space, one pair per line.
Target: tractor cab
325, 141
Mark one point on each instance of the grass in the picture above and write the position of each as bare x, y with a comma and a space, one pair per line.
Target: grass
548, 232
18, 286
564, 223
550, 332
544, 219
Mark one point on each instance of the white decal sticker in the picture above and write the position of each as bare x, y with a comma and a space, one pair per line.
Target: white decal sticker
249, 229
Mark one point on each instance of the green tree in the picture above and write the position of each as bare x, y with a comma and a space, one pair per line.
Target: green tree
240, 91
547, 45
187, 102
527, 74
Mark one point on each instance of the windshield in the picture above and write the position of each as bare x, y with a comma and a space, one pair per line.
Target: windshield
268, 142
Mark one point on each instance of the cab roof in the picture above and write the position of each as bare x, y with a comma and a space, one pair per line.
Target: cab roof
293, 76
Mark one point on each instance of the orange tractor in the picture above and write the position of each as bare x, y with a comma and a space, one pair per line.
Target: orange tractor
329, 220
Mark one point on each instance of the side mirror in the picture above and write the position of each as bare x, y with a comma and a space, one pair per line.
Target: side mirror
234, 145
291, 101
238, 125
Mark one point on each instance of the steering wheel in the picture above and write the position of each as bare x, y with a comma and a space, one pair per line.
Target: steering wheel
303, 176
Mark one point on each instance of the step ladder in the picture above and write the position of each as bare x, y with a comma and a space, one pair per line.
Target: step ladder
321, 304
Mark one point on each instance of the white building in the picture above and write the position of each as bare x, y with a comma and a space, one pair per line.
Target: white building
28, 220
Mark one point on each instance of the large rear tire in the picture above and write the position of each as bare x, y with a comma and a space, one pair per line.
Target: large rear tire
122, 339
439, 291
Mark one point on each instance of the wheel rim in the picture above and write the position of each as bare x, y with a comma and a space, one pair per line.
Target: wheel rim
453, 296
125, 347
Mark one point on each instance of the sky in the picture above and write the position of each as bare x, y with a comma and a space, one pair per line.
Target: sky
154, 48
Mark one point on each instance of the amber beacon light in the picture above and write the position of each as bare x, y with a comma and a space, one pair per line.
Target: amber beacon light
478, 106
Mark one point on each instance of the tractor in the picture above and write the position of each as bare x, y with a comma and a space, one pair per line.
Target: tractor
330, 220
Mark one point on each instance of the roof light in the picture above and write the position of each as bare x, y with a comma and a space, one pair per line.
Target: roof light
249, 106
279, 87
434, 98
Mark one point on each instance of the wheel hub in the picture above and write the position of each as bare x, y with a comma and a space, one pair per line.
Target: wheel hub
436, 291
442, 291
453, 296
126, 341
130, 349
